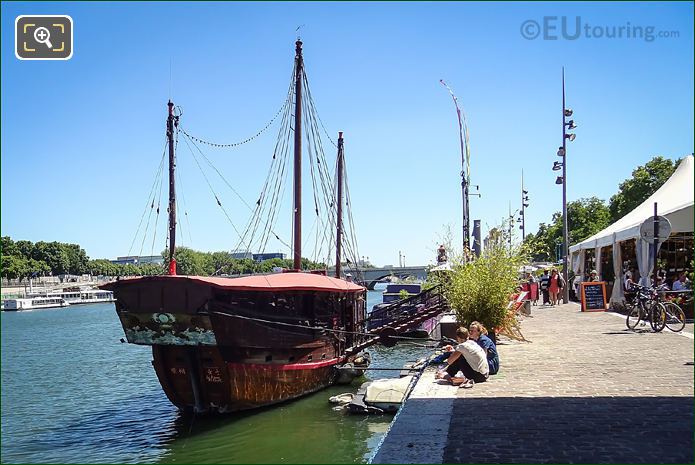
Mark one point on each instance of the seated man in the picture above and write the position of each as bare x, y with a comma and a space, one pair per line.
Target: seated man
681, 283
469, 358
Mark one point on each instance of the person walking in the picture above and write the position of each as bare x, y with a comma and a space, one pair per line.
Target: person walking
555, 286
545, 284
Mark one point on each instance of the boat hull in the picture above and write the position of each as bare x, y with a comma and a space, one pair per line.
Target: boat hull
219, 346
198, 379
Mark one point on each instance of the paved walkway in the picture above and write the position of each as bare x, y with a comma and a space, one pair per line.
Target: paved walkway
585, 390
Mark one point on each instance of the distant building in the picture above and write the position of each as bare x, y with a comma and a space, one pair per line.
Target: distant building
241, 255
259, 257
138, 260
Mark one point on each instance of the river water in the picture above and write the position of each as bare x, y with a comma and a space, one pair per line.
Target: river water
71, 392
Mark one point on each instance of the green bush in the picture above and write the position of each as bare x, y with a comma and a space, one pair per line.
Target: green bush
479, 290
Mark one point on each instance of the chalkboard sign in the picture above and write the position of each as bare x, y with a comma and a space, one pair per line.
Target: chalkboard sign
594, 297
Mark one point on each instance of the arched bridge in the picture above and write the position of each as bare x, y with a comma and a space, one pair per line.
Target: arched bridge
372, 276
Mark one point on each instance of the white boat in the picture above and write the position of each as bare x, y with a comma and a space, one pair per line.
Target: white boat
82, 296
31, 303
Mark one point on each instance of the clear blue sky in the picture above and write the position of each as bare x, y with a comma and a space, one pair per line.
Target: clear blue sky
82, 139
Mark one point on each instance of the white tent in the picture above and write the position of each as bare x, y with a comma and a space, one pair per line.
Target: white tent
674, 201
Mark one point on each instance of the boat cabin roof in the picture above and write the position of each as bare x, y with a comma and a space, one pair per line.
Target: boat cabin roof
270, 283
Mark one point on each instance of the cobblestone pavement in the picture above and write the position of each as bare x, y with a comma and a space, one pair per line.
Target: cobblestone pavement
584, 390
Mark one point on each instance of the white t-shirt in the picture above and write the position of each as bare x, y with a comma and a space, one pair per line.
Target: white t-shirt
475, 356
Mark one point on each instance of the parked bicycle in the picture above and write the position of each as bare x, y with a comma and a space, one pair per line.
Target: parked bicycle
675, 316
646, 306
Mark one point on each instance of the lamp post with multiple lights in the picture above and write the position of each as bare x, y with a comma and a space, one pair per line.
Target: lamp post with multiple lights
562, 152
524, 204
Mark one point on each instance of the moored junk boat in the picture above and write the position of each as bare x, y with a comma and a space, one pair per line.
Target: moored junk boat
225, 345
236, 344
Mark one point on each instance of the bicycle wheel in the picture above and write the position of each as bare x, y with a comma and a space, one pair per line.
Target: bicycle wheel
675, 318
633, 317
657, 316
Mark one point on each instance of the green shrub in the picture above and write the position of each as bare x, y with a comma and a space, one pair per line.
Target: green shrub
479, 290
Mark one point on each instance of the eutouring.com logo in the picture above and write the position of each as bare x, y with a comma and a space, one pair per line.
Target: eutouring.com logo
573, 28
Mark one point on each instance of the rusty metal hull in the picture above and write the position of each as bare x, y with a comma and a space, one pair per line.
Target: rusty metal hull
228, 386
223, 351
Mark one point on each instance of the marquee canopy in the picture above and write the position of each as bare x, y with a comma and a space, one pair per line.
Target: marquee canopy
674, 201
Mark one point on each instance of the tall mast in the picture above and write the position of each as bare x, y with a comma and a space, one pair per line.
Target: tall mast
339, 234
299, 64
172, 190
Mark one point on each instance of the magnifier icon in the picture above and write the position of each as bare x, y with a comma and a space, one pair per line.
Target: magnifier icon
43, 36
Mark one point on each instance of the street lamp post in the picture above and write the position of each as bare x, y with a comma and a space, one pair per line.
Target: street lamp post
524, 199
562, 152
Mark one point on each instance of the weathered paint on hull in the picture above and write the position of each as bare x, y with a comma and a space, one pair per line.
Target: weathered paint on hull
227, 386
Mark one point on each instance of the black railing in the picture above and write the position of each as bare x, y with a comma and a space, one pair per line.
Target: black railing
398, 312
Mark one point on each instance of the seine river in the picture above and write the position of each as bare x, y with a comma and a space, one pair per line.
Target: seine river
71, 392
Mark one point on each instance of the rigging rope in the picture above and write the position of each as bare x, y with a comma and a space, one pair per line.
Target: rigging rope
212, 190
152, 190
237, 144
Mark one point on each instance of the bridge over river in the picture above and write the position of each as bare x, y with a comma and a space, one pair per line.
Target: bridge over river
373, 276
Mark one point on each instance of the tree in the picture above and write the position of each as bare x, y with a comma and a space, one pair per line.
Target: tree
24, 249
14, 267
645, 180
585, 217
54, 254
190, 262
8, 247
220, 263
77, 258
101, 267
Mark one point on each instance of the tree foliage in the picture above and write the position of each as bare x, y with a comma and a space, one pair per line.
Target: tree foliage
585, 217
22, 259
191, 262
645, 180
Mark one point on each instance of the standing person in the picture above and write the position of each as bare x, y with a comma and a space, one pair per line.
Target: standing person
577, 283
478, 333
469, 358
545, 284
556, 284
533, 288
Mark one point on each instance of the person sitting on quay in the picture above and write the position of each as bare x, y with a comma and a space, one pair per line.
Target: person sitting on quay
478, 333
469, 358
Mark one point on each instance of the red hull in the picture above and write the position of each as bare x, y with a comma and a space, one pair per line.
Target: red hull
225, 350
227, 386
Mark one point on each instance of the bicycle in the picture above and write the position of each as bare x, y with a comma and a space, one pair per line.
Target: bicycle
675, 316
647, 306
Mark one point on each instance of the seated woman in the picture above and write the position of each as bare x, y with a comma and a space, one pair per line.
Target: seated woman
478, 333
469, 358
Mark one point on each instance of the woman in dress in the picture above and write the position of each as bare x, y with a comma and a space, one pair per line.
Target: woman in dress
554, 287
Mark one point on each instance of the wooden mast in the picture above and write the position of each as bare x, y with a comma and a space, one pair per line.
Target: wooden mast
297, 245
339, 220
172, 190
